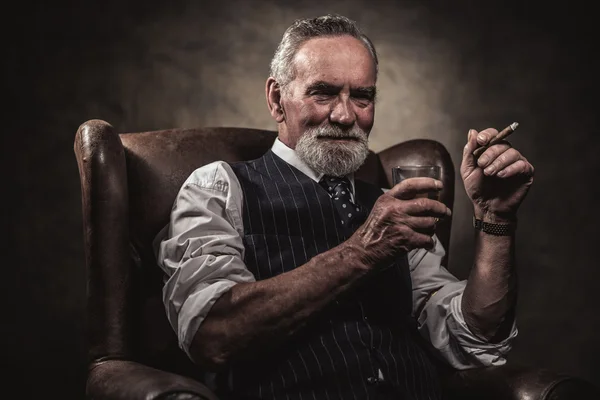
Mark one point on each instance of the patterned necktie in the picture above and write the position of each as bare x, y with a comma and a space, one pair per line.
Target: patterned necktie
340, 191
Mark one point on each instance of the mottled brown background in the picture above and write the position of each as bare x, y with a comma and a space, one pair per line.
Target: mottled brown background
445, 67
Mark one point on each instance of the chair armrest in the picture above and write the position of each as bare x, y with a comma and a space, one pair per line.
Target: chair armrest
516, 382
128, 380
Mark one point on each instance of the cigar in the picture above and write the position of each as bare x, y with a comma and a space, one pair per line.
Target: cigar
500, 136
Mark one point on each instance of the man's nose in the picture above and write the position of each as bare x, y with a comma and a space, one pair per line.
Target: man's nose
342, 112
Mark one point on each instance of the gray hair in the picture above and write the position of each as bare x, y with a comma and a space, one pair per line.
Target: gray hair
302, 30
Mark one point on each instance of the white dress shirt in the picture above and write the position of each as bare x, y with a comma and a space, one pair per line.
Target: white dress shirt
202, 253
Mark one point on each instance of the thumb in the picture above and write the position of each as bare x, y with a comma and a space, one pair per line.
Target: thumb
468, 160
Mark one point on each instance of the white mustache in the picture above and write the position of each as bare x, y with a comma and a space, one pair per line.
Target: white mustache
337, 132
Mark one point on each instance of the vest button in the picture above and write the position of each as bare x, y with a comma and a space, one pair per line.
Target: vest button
372, 380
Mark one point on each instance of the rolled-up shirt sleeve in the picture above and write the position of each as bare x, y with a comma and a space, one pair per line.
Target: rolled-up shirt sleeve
437, 297
201, 249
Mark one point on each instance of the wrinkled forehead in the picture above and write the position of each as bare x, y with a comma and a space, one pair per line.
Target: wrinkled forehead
338, 60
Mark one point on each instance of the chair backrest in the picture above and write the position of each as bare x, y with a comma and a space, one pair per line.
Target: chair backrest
129, 182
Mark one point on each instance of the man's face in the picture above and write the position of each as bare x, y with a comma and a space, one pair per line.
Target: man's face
334, 85
329, 106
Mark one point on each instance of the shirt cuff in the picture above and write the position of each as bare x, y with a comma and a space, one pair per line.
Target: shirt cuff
441, 322
195, 309
478, 352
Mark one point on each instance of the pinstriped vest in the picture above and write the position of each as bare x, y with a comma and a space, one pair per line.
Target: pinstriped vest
365, 347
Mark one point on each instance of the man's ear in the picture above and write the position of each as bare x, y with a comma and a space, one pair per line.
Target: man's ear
273, 92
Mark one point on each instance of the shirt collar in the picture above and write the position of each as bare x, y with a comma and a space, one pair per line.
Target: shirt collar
291, 157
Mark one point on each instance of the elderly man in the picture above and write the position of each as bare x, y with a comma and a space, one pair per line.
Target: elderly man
290, 279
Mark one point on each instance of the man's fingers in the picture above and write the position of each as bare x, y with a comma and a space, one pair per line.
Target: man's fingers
426, 207
520, 167
471, 141
423, 241
424, 225
468, 160
475, 140
484, 137
409, 188
497, 158
491, 153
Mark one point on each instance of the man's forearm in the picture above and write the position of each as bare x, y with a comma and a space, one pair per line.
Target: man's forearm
489, 298
251, 315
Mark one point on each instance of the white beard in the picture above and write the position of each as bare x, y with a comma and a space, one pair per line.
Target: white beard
332, 157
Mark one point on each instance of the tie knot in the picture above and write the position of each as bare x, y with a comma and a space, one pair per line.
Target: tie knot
336, 186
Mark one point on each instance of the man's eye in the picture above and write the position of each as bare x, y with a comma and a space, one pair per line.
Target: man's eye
366, 97
323, 95
363, 100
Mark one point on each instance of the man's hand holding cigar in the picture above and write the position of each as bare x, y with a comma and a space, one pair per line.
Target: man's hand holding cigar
497, 178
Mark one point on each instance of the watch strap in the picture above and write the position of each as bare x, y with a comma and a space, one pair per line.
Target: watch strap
494, 229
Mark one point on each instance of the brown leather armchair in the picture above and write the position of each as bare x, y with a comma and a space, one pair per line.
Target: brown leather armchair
128, 185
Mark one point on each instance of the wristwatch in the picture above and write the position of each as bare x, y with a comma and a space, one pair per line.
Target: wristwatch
495, 229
